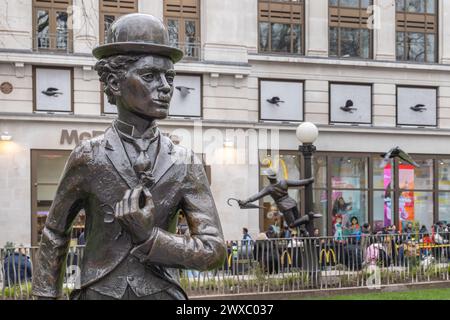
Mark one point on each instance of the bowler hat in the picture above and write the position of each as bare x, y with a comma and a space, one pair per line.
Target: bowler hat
138, 33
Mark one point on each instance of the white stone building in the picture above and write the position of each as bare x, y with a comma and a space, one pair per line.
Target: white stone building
371, 76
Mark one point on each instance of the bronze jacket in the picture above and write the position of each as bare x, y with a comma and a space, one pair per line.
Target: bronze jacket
96, 176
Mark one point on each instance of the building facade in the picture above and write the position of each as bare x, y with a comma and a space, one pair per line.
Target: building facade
371, 75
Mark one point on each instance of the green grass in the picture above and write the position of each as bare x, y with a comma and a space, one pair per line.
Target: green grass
427, 294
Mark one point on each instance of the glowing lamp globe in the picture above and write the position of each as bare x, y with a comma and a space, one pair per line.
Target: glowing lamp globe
307, 132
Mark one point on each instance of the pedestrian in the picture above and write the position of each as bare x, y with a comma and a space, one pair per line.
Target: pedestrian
17, 267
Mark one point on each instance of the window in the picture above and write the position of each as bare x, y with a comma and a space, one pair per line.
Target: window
444, 189
281, 100
350, 103
361, 185
416, 198
183, 21
187, 96
320, 192
51, 25
349, 192
281, 26
46, 169
417, 106
53, 89
111, 10
349, 34
417, 30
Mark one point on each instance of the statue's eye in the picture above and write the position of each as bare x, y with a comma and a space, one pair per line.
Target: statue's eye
147, 77
170, 78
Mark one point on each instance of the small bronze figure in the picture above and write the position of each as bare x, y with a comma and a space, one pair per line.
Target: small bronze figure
132, 182
278, 190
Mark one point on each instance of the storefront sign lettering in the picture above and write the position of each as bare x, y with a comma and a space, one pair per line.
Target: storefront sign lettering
73, 137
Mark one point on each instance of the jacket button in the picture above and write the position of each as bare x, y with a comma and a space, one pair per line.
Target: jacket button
130, 278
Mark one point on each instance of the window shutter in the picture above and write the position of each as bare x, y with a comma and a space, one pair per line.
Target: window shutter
411, 22
52, 3
119, 6
281, 12
348, 17
182, 9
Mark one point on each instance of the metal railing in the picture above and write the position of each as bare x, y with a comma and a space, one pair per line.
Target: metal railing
279, 265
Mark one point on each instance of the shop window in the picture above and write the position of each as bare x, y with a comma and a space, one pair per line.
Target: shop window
320, 192
46, 169
111, 10
416, 106
281, 100
51, 28
281, 26
383, 195
417, 28
444, 189
416, 192
183, 21
349, 34
53, 89
349, 193
350, 103
187, 97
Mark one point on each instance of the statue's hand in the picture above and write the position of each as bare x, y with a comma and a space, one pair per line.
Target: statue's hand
135, 212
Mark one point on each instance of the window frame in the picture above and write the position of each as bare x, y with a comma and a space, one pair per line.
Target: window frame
362, 84
401, 22
299, 81
72, 91
302, 24
117, 12
181, 16
52, 7
199, 117
398, 124
335, 18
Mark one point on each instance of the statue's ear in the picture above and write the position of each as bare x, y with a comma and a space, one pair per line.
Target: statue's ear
114, 84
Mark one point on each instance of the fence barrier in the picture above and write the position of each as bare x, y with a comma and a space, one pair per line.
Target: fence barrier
277, 265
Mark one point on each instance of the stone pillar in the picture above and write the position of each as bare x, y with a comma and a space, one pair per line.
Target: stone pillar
384, 104
384, 30
86, 25
444, 32
153, 7
16, 29
316, 28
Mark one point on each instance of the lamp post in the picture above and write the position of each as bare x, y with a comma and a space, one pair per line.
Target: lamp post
307, 133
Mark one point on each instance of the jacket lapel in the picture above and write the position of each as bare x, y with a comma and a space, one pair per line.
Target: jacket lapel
165, 158
116, 154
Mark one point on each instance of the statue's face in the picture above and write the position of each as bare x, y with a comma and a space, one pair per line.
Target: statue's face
147, 87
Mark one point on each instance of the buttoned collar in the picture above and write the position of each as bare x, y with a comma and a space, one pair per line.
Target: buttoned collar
129, 131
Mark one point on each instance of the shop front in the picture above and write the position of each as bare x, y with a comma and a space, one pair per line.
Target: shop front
359, 188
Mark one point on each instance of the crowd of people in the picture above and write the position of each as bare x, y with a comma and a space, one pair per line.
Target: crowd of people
355, 245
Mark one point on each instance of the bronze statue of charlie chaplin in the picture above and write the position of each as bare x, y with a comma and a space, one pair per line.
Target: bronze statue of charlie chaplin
132, 181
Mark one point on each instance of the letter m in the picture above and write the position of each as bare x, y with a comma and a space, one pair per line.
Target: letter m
69, 138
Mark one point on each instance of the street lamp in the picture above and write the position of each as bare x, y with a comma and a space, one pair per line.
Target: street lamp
307, 133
